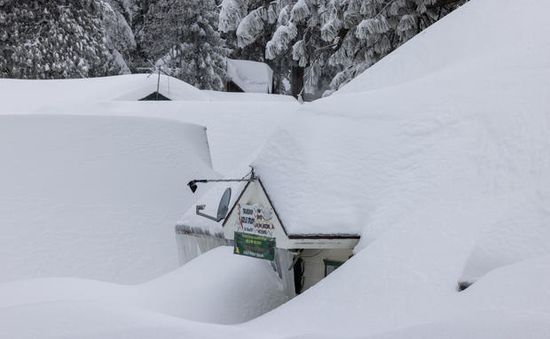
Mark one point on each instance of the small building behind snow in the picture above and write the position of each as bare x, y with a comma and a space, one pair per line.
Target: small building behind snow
249, 76
254, 228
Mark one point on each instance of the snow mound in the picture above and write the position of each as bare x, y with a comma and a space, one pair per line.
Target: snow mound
489, 38
425, 156
217, 287
94, 197
510, 302
238, 123
15, 94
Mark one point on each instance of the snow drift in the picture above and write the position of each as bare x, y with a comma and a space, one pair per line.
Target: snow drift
238, 123
428, 154
438, 147
94, 197
52, 93
216, 287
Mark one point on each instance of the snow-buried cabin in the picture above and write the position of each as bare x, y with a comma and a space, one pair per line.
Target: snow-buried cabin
249, 77
255, 228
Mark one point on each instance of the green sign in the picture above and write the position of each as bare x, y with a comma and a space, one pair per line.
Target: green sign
255, 246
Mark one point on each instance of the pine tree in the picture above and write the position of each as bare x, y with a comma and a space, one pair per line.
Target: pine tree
120, 37
247, 26
335, 40
372, 29
299, 39
181, 35
46, 39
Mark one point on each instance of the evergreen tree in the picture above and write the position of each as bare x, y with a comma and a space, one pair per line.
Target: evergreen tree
120, 37
247, 26
43, 39
335, 40
138, 10
181, 35
298, 37
369, 30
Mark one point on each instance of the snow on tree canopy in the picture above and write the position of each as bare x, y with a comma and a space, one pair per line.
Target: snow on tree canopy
53, 39
250, 76
181, 36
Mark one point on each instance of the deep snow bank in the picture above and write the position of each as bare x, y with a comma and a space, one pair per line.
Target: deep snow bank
94, 197
238, 123
217, 287
437, 150
236, 129
52, 93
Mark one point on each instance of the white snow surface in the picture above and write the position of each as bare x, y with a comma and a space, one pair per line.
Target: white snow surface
238, 123
431, 151
428, 154
62, 92
217, 287
94, 197
250, 76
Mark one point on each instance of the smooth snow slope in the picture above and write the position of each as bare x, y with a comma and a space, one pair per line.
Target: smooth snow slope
217, 287
236, 129
430, 163
238, 123
28, 95
94, 197
429, 152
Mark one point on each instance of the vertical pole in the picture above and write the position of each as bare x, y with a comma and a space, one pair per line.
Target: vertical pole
158, 85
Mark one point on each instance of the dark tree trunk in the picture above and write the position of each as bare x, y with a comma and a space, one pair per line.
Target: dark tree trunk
296, 80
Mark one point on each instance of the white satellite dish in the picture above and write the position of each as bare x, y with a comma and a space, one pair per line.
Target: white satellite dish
223, 207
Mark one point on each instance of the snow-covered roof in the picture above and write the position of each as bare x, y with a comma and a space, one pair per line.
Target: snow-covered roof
448, 147
123, 87
250, 76
407, 133
458, 113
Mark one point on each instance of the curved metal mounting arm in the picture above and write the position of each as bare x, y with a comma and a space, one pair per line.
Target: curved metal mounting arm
198, 210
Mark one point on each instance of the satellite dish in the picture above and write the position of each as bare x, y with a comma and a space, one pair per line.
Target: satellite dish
223, 207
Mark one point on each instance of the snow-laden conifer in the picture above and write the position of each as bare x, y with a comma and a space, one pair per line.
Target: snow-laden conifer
119, 35
182, 38
53, 39
374, 28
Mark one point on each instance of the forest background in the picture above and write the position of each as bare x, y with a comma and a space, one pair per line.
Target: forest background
313, 46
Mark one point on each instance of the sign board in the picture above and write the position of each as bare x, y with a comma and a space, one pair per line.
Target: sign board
255, 246
256, 219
